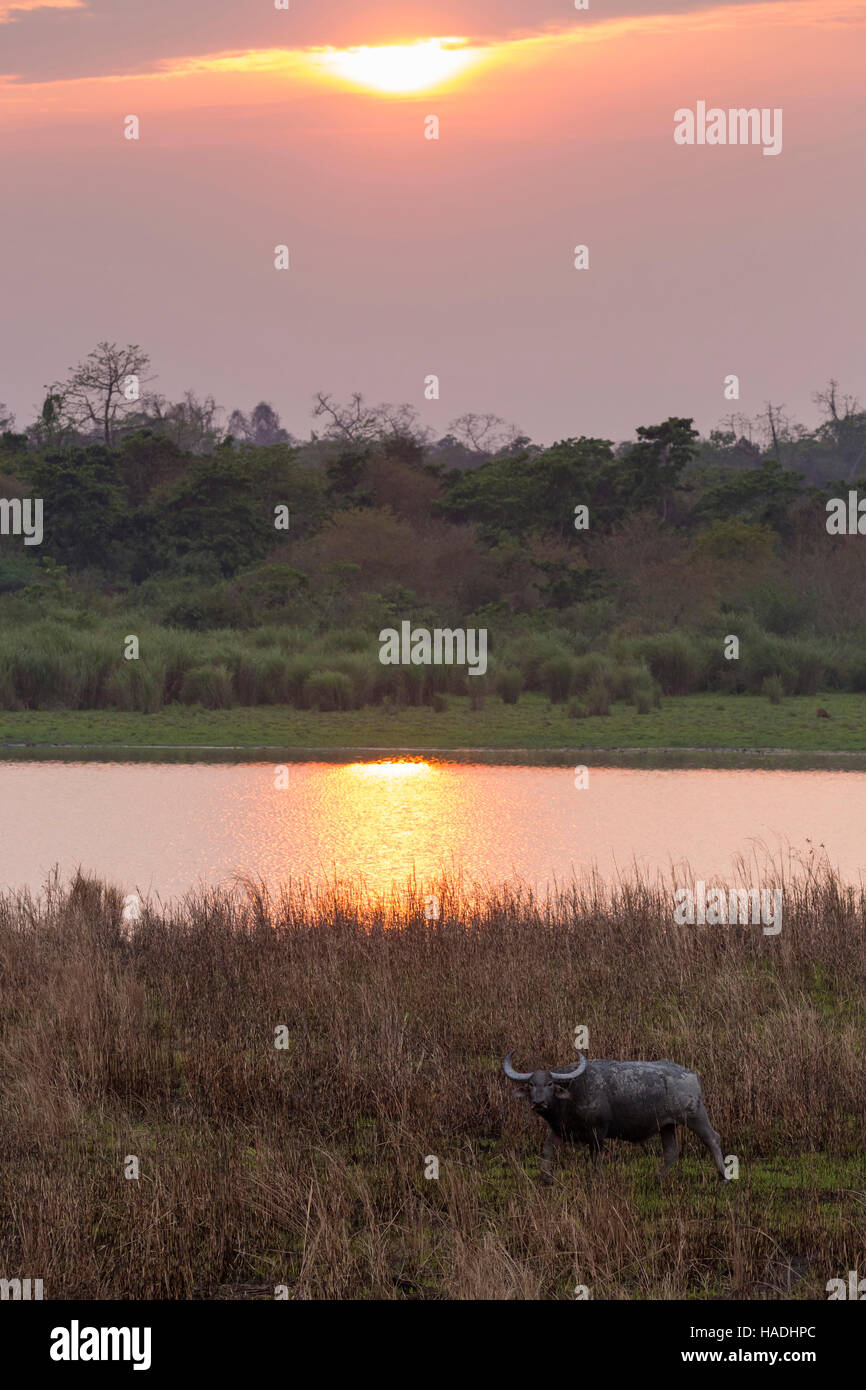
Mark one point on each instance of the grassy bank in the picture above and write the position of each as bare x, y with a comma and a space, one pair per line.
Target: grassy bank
685, 721
304, 1166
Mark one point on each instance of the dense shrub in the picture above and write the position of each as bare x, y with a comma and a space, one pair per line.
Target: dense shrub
677, 662
136, 686
210, 686
207, 608
597, 698
329, 690
555, 678
592, 669
508, 685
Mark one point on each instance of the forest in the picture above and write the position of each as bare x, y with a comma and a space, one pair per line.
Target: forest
258, 568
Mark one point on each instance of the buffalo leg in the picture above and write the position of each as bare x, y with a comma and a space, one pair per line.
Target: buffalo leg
548, 1153
700, 1125
670, 1148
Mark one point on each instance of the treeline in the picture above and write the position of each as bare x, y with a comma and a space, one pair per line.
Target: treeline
261, 569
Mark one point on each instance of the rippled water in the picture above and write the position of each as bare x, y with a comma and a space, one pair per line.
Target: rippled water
164, 828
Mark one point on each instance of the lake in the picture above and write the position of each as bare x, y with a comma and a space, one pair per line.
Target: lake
163, 828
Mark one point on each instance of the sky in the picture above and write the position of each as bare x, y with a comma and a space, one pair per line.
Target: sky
454, 258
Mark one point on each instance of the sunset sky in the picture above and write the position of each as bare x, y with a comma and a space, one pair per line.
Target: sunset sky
454, 257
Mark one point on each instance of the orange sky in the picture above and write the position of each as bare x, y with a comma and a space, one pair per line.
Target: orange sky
454, 256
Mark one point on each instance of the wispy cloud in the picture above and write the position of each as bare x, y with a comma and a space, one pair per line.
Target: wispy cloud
56, 40
9, 13
301, 59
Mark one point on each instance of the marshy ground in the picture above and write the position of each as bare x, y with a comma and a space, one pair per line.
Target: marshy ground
304, 1165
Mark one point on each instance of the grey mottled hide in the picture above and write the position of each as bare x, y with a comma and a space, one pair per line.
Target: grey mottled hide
603, 1100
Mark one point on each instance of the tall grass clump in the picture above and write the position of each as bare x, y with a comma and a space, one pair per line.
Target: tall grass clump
329, 690
555, 678
596, 698
593, 668
680, 664
136, 685
210, 686
508, 685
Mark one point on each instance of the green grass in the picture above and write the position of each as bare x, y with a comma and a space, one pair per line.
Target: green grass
686, 721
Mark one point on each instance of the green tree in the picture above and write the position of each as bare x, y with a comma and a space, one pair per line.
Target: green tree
535, 493
762, 496
211, 520
652, 469
83, 507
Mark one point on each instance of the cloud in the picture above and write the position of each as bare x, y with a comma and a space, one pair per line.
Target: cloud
56, 40
12, 11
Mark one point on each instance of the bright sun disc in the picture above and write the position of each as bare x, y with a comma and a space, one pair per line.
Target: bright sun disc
398, 67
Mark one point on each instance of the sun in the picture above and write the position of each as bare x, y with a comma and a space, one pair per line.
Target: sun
411, 67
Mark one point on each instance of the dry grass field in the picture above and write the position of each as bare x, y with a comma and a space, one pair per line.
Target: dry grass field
304, 1166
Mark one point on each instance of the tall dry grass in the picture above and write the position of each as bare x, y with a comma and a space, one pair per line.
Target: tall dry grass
305, 1166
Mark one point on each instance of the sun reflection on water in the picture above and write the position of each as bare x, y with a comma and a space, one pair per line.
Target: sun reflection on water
165, 828
389, 770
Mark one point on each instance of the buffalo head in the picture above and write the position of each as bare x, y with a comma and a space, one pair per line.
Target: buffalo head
543, 1087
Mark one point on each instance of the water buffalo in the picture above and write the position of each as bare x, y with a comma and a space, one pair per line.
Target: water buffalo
602, 1100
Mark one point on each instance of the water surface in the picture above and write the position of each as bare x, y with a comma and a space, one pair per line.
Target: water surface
165, 828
